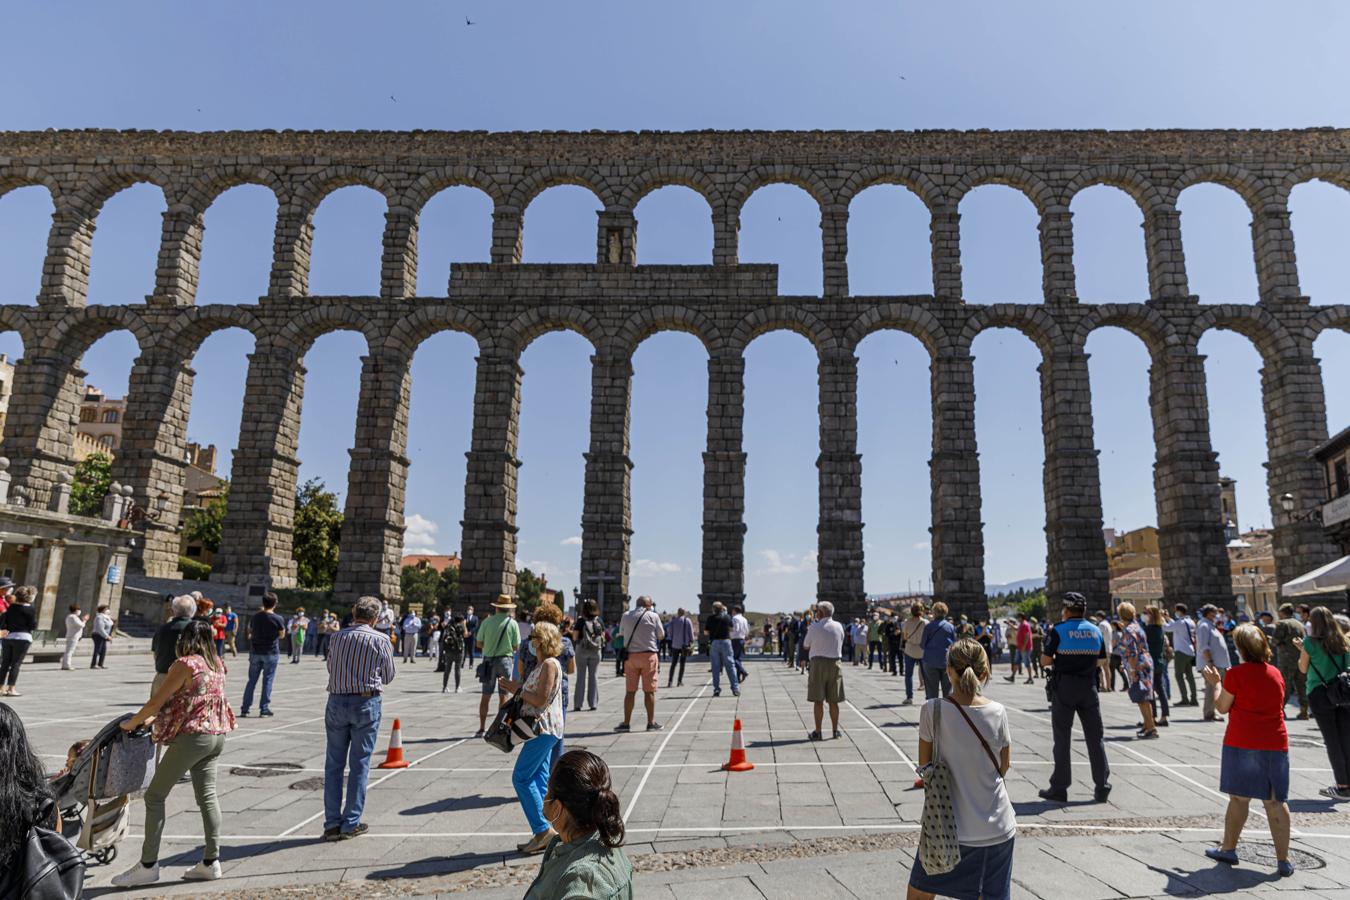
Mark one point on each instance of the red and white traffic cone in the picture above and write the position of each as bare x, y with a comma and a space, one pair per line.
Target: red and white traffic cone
394, 758
737, 762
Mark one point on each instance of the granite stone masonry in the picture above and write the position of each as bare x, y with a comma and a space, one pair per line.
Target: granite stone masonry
615, 304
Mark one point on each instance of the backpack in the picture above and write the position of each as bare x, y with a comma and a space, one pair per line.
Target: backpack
47, 866
592, 633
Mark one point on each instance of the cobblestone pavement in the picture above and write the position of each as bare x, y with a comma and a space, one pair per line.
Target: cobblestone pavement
835, 819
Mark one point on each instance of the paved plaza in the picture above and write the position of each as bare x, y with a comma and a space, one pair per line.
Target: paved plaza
834, 819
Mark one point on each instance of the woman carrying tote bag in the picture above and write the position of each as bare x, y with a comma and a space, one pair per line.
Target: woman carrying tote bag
970, 734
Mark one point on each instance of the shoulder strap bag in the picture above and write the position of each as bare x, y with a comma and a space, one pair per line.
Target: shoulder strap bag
48, 867
623, 653
939, 850
998, 770
1338, 688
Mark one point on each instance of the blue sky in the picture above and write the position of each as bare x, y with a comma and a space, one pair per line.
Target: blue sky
781, 64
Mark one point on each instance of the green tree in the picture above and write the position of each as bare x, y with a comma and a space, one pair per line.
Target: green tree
93, 477
204, 523
419, 585
447, 592
317, 534
1033, 604
529, 586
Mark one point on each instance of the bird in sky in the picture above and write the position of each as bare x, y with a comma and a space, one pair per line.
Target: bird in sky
392, 97
903, 78
467, 21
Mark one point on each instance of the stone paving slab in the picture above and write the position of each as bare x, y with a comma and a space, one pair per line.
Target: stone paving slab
455, 811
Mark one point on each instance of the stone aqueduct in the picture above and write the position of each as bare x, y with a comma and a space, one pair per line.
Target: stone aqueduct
614, 303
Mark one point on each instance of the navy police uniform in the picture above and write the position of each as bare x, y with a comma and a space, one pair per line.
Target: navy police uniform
1075, 646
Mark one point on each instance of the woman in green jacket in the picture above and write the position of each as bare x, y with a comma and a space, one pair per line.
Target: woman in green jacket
585, 861
1324, 655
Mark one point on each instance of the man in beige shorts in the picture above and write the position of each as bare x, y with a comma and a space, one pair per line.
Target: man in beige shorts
642, 632
825, 644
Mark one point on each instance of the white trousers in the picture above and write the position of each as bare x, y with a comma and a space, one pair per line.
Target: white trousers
71, 643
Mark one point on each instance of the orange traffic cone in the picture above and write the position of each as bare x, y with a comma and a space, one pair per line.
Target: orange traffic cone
737, 762
394, 758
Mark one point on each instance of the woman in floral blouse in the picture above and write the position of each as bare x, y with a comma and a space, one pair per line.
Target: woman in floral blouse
191, 718
1138, 664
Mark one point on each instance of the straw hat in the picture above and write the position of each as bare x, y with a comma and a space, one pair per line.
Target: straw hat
503, 601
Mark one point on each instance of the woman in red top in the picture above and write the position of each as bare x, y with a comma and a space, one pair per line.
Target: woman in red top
1255, 762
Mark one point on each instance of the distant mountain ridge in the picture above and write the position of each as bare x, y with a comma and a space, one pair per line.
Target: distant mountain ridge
1026, 584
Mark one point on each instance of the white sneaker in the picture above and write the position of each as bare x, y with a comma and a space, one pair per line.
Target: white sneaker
137, 875
203, 872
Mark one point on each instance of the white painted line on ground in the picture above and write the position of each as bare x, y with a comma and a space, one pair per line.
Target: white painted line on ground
885, 737
374, 784
659, 750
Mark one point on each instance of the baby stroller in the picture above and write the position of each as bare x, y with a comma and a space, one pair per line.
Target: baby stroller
94, 793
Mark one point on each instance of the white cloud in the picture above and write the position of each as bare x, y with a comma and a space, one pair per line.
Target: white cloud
419, 535
654, 567
783, 564
923, 545
573, 541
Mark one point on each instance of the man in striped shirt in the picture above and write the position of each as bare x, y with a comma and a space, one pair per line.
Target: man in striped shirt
360, 664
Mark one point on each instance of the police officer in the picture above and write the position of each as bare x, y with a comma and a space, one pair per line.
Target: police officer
1073, 648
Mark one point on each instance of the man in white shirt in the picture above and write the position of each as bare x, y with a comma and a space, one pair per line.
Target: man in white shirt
825, 645
740, 630
858, 632
642, 633
1104, 680
1211, 650
74, 631
1182, 630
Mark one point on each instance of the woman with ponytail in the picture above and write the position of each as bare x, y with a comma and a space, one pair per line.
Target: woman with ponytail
985, 825
585, 859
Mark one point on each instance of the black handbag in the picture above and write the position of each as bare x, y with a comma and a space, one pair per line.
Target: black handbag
1338, 688
512, 725
47, 866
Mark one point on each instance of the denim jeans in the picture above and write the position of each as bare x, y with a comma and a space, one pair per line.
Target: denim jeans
264, 664
530, 778
722, 658
910, 665
737, 651
935, 679
353, 724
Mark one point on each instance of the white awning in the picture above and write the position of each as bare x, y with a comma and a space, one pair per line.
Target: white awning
1329, 579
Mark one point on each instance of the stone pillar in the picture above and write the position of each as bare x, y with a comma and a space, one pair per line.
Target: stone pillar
1295, 407
724, 487
290, 252
1191, 542
507, 236
1075, 548
488, 564
616, 238
151, 459
1166, 258
834, 250
398, 262
726, 221
1276, 264
40, 427
839, 533
372, 525
606, 517
945, 236
1058, 282
256, 538
45, 558
958, 535
65, 271
180, 254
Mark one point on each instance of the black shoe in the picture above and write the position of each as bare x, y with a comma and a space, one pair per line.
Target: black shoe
1052, 795
332, 834
654, 726
743, 677
717, 693
1101, 794
360, 829
243, 714
266, 713
837, 733
622, 726
814, 736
